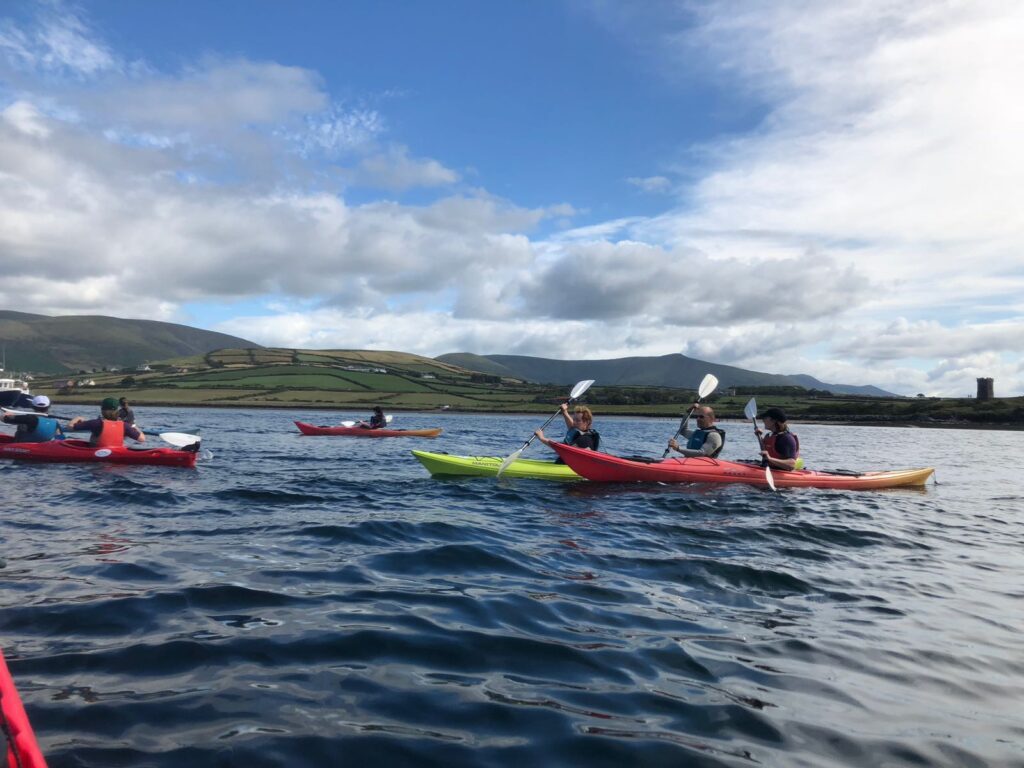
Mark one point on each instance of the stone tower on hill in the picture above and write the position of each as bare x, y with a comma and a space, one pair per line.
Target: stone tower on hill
985, 389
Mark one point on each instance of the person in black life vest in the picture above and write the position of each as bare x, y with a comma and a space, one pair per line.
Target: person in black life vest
38, 427
781, 448
580, 428
377, 421
125, 413
108, 430
706, 440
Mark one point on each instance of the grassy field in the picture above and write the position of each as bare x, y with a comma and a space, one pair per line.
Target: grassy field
347, 380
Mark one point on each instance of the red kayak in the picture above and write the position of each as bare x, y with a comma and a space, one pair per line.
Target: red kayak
603, 467
310, 429
20, 742
59, 451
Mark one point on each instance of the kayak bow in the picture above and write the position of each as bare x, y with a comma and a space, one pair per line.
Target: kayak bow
447, 465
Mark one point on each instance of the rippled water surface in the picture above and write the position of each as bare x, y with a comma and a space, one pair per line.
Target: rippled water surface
323, 601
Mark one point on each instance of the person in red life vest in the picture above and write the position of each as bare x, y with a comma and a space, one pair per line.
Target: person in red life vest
781, 448
37, 427
107, 430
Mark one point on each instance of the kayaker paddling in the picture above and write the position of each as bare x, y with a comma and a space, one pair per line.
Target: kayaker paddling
377, 420
37, 427
580, 429
107, 430
124, 412
707, 440
780, 448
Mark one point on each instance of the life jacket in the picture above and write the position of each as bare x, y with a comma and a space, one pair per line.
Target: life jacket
575, 434
46, 430
699, 436
111, 435
769, 446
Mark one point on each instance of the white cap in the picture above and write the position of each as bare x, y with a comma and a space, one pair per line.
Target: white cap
40, 401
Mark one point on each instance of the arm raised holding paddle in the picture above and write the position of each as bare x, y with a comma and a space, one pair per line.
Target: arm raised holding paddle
707, 386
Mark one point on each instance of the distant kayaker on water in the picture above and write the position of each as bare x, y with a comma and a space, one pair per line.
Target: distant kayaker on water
377, 421
706, 440
107, 430
125, 413
580, 429
38, 427
781, 448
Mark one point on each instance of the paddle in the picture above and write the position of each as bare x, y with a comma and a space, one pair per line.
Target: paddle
707, 386
387, 420
750, 411
577, 391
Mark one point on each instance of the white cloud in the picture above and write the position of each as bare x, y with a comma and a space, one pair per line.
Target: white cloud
650, 183
395, 170
60, 42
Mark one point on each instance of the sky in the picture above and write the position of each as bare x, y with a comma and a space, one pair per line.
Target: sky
790, 186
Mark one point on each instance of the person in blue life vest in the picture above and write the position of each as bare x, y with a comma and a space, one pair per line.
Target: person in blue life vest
38, 427
107, 431
580, 431
780, 448
377, 421
705, 440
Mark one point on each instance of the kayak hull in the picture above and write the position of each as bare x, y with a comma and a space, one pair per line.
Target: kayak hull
80, 451
603, 467
312, 429
447, 465
19, 740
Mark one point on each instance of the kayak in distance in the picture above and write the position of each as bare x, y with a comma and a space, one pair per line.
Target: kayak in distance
20, 746
311, 429
603, 467
71, 451
447, 465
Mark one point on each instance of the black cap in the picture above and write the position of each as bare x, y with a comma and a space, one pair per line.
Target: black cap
775, 413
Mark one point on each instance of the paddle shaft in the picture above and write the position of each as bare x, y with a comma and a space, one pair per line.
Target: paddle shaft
534, 436
682, 426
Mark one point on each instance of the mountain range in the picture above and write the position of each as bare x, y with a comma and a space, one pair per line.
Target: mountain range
663, 371
69, 343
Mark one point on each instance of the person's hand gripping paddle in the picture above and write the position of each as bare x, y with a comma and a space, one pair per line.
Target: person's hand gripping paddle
751, 413
707, 385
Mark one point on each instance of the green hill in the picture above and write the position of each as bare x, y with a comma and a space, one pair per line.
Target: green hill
665, 371
69, 343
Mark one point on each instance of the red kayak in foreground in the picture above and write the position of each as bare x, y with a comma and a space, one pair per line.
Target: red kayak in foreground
19, 740
603, 467
60, 451
311, 429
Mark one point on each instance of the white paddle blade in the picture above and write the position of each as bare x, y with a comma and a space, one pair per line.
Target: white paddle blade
769, 478
387, 419
707, 386
750, 410
508, 461
179, 439
347, 424
580, 388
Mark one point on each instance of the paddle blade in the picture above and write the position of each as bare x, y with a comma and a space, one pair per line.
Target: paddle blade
750, 410
347, 424
179, 439
708, 385
580, 388
769, 478
509, 459
387, 419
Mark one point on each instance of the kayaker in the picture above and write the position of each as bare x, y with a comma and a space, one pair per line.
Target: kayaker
107, 430
580, 429
38, 427
706, 440
377, 421
125, 413
781, 448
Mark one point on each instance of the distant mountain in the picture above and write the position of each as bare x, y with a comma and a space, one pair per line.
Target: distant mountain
68, 343
665, 371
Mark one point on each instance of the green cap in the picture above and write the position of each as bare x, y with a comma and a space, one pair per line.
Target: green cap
109, 404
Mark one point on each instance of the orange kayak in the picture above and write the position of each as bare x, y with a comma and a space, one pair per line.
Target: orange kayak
603, 467
310, 429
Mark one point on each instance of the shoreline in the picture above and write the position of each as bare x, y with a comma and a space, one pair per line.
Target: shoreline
838, 421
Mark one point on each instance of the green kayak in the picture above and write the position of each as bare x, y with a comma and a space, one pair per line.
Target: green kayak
487, 466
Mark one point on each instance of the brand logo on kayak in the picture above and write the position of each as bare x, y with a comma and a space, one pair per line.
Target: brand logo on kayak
17, 450
102, 453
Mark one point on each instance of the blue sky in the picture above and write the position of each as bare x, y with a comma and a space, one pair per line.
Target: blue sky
789, 186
